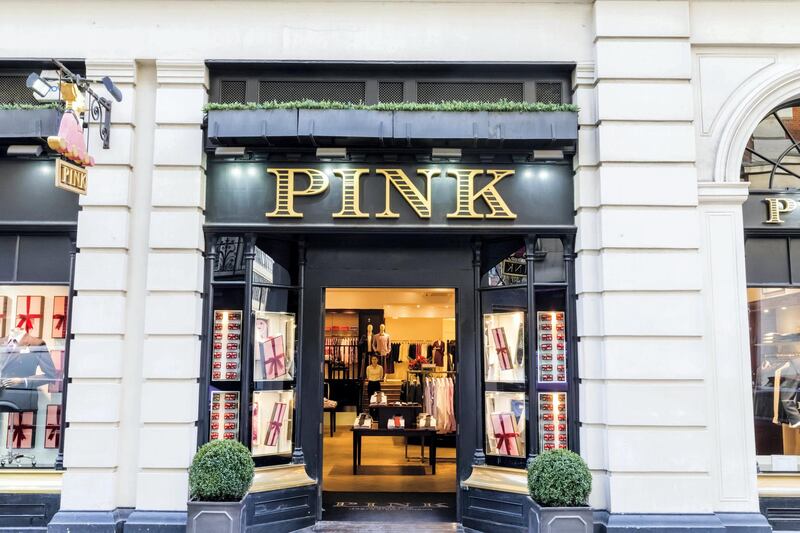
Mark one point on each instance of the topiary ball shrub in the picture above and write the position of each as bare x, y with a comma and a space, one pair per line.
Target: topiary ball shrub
221, 471
559, 478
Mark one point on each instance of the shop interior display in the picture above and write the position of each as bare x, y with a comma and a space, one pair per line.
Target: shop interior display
274, 338
224, 416
32, 338
504, 347
272, 422
552, 421
552, 353
227, 345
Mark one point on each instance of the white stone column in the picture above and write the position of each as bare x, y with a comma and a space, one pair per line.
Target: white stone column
96, 411
643, 399
728, 377
173, 309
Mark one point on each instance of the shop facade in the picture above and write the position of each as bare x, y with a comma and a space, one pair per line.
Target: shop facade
650, 232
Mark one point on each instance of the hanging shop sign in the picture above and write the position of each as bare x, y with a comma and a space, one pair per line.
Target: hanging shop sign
367, 196
71, 143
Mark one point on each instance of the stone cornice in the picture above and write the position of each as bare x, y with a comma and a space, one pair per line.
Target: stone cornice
120, 70
175, 71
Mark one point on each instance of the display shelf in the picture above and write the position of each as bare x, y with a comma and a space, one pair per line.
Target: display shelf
551, 347
226, 354
224, 416
553, 421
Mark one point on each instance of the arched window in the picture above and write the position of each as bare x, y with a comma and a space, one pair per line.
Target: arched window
771, 159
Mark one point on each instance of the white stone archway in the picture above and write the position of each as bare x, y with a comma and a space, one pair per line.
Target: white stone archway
744, 109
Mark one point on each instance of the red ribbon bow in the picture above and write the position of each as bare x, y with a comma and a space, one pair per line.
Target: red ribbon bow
18, 435
503, 438
26, 319
59, 321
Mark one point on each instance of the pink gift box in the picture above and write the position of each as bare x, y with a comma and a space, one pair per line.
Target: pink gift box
254, 424
29, 314
24, 430
3, 315
52, 428
275, 423
505, 431
501, 347
59, 317
274, 357
58, 361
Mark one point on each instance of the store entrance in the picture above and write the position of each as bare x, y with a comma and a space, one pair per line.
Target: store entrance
390, 391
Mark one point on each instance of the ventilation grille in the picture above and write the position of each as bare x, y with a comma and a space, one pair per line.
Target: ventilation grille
390, 91
232, 91
288, 91
433, 92
549, 92
14, 91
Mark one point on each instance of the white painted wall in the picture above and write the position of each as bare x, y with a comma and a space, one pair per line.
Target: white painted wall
669, 92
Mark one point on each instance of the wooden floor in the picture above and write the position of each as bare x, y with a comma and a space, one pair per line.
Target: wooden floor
384, 467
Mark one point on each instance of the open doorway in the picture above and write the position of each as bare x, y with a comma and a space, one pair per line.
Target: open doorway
390, 402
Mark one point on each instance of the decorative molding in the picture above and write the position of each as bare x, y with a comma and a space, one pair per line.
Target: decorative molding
732, 192
497, 478
28, 481
191, 72
584, 74
280, 477
120, 70
743, 111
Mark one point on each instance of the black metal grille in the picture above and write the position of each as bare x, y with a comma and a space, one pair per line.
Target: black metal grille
549, 92
14, 91
232, 91
335, 91
432, 92
390, 91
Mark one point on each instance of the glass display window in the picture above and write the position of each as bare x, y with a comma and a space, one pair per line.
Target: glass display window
551, 349
272, 423
32, 347
553, 424
775, 364
273, 346
504, 347
505, 423
226, 345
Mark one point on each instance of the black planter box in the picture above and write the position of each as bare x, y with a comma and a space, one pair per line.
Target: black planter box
264, 124
560, 519
345, 123
441, 125
29, 123
541, 126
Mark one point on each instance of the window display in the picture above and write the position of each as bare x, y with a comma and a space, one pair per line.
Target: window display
552, 420
272, 423
775, 355
273, 345
505, 423
552, 352
224, 415
504, 347
227, 346
32, 342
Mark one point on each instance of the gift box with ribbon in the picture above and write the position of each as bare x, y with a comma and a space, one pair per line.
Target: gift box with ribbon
274, 357
3, 315
58, 362
21, 433
275, 424
501, 347
505, 431
52, 428
59, 317
29, 314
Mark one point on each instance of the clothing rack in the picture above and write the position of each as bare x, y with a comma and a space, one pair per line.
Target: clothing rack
341, 357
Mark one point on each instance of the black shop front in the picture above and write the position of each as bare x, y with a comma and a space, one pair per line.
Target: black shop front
389, 316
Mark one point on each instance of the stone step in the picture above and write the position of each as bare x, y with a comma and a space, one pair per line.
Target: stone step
383, 527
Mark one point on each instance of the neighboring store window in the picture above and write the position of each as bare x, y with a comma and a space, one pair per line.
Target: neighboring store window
34, 301
253, 351
775, 357
771, 156
525, 364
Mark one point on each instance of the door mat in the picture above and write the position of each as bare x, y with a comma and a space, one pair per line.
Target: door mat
389, 506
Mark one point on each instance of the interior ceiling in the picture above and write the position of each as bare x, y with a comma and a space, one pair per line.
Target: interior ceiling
395, 302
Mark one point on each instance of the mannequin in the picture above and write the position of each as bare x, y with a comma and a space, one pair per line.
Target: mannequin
369, 335
381, 343
785, 411
20, 355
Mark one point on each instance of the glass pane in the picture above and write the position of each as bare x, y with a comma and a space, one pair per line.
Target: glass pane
273, 344
273, 412
775, 356
552, 420
512, 270
32, 341
230, 257
773, 141
274, 261
504, 347
551, 347
224, 415
505, 423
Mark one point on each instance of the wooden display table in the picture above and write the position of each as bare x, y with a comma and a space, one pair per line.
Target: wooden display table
359, 433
